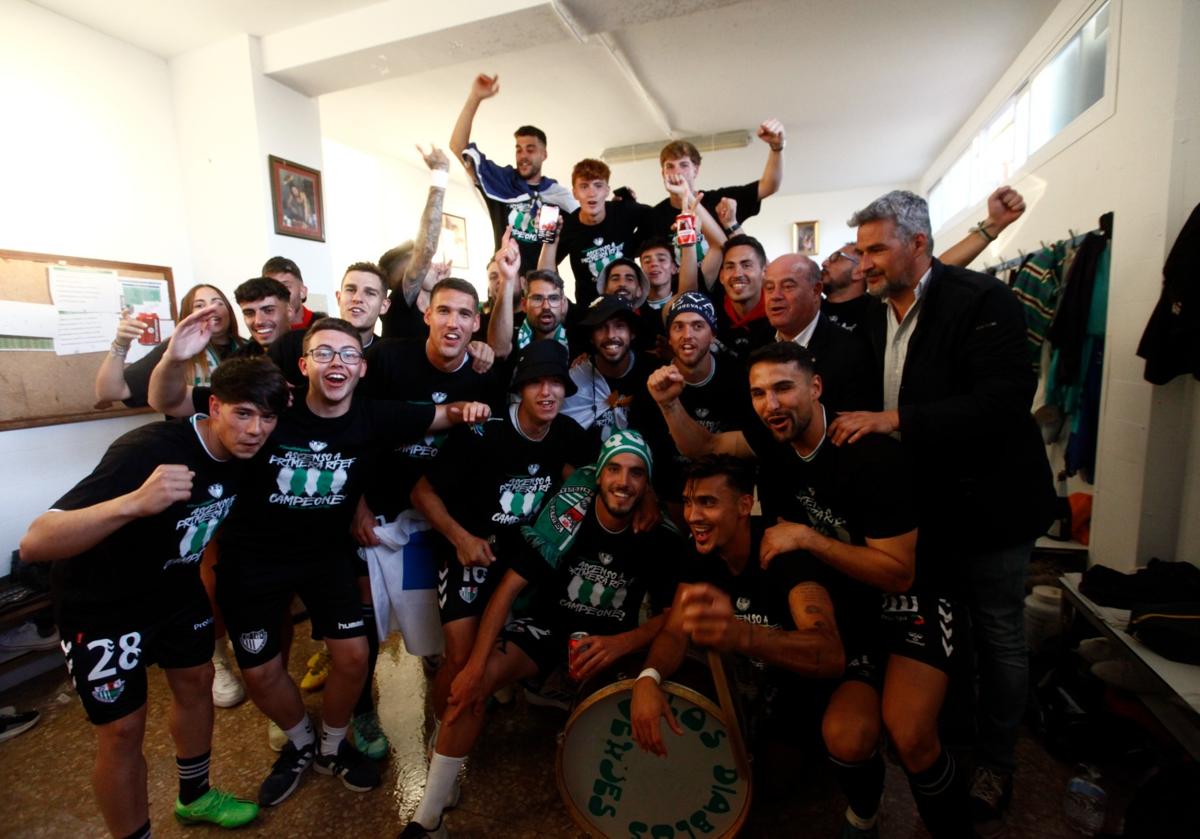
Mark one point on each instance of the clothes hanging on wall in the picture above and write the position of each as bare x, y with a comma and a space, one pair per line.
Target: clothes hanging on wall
1171, 342
1037, 284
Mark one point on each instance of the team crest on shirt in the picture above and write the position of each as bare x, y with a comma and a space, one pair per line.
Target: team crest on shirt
599, 240
468, 593
253, 642
109, 692
533, 468
438, 397
702, 412
605, 558
317, 445
216, 490
743, 603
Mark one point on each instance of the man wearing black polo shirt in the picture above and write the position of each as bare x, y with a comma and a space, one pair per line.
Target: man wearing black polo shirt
591, 572
780, 618
292, 535
491, 480
851, 509
127, 542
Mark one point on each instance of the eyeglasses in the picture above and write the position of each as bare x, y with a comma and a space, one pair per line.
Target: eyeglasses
537, 300
324, 355
836, 255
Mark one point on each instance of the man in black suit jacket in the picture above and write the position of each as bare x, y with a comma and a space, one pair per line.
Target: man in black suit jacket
792, 294
957, 388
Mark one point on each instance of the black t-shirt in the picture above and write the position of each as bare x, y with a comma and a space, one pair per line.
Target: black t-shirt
591, 247
719, 404
286, 351
400, 369
600, 582
306, 481
143, 565
137, 374
848, 315
402, 320
651, 328
739, 341
662, 220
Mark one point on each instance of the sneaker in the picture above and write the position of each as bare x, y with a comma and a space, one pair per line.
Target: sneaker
416, 830
369, 737
217, 807
357, 773
554, 692
276, 739
227, 689
26, 638
14, 722
285, 774
991, 791
318, 670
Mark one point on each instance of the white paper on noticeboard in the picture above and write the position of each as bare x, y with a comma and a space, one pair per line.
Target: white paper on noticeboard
28, 320
146, 296
89, 305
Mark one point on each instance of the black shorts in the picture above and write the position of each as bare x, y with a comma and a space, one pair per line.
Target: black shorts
463, 591
539, 640
915, 625
255, 599
108, 664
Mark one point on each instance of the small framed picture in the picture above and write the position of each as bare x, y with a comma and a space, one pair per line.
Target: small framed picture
453, 242
806, 237
296, 199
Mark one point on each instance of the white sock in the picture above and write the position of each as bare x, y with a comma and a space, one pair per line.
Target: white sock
331, 738
439, 789
301, 734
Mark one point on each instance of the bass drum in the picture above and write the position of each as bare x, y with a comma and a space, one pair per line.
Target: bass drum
614, 789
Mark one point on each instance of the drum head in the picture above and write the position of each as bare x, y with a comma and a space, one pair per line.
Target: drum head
614, 789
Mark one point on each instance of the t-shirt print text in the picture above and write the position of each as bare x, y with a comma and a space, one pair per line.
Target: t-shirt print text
312, 478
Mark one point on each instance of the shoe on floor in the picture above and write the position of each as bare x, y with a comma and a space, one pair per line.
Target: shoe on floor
318, 670
26, 638
285, 774
276, 739
14, 722
357, 772
415, 830
227, 689
991, 792
217, 807
369, 737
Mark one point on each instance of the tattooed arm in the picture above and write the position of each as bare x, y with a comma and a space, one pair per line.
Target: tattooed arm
428, 231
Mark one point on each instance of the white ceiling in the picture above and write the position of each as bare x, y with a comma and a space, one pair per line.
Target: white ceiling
870, 90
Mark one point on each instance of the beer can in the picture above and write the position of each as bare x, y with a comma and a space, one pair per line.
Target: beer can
153, 333
574, 646
685, 229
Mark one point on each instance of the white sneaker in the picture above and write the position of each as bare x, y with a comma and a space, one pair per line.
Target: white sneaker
276, 739
227, 689
25, 638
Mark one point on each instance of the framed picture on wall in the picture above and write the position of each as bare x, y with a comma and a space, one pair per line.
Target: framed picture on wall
806, 237
296, 199
453, 243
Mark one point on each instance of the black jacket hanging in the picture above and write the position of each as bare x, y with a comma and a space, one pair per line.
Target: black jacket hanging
1171, 342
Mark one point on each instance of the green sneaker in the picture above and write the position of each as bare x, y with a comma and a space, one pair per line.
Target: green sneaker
217, 807
369, 737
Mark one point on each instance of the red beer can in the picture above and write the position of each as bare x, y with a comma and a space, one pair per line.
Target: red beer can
574, 645
685, 229
153, 332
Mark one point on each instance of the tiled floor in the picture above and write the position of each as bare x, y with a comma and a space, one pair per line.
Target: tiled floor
509, 789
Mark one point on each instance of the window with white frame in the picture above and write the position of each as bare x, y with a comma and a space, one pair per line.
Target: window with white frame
1061, 89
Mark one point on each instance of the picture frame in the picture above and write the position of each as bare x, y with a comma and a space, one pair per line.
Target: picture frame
806, 237
296, 202
452, 244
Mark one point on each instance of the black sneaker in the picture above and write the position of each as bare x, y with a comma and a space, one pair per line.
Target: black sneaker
991, 792
356, 771
416, 830
285, 774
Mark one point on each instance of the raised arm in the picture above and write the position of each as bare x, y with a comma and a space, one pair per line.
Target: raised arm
61, 534
1004, 206
430, 228
500, 325
483, 87
169, 391
813, 648
692, 439
771, 132
110, 378
885, 564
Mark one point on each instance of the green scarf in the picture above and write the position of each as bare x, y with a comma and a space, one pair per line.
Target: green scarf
525, 335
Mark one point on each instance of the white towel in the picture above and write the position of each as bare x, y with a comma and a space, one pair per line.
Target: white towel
404, 584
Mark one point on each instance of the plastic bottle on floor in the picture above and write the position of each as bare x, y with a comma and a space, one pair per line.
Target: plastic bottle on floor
1085, 801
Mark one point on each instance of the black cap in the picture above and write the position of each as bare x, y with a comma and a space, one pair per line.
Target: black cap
609, 306
282, 265
541, 358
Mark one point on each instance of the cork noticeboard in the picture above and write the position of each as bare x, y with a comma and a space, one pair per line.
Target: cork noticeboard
44, 388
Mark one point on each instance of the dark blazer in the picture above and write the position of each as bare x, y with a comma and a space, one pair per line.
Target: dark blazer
849, 374
965, 399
